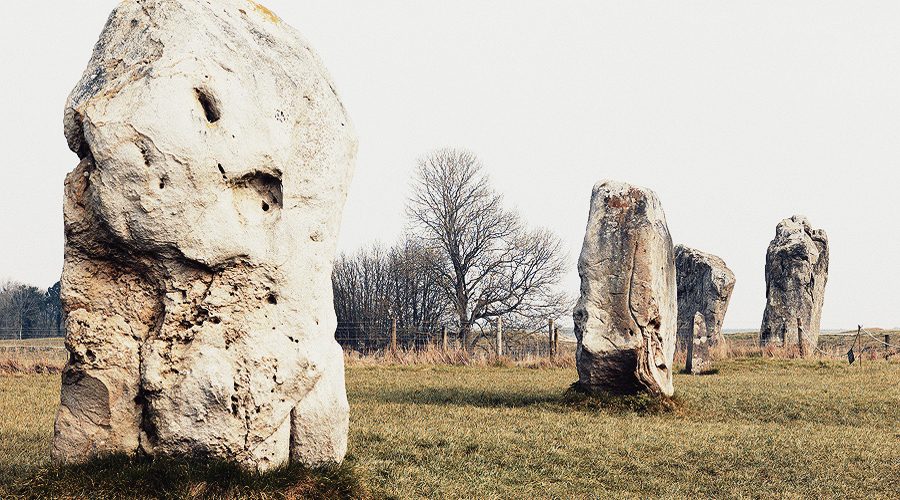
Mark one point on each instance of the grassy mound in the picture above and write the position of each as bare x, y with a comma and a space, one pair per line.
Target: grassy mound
617, 404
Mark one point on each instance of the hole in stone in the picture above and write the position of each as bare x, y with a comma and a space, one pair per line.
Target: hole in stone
271, 299
221, 170
162, 183
210, 105
145, 152
265, 187
76, 138
90, 355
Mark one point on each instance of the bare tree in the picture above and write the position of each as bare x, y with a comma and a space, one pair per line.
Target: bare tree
52, 312
419, 303
20, 309
488, 262
374, 287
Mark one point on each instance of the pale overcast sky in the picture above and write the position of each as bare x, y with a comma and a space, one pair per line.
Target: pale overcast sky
738, 114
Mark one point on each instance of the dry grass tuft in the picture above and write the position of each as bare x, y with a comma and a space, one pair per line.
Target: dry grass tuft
618, 404
454, 357
15, 363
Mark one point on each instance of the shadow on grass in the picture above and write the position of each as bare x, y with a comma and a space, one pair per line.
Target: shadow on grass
711, 371
573, 398
122, 476
465, 397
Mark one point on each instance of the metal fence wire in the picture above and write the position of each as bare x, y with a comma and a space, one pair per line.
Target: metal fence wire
375, 336
372, 337
847, 345
30, 333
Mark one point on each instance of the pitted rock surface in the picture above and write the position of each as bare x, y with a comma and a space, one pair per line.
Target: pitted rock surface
201, 225
796, 273
625, 318
704, 286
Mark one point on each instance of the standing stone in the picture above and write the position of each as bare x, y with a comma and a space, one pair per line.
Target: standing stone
626, 316
704, 286
201, 224
796, 272
698, 352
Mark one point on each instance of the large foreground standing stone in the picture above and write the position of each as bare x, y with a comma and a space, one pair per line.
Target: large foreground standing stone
796, 272
625, 318
201, 225
704, 286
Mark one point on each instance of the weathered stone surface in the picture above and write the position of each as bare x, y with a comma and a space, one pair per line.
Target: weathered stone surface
698, 352
796, 272
704, 286
201, 225
625, 318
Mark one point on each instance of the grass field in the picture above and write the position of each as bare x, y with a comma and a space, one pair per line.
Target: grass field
758, 428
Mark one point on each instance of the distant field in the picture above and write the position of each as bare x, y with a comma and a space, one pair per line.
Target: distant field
758, 428
832, 345
42, 355
52, 342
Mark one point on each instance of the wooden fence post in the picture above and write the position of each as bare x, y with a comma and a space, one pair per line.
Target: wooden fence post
550, 339
444, 337
499, 336
556, 340
394, 337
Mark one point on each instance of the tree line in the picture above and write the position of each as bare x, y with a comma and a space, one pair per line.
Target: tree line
465, 262
377, 286
28, 312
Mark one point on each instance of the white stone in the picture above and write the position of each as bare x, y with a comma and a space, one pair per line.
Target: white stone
201, 226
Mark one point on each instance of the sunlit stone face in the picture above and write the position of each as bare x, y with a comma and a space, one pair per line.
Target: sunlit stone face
625, 318
201, 225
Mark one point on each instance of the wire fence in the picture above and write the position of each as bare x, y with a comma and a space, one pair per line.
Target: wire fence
26, 333
382, 336
366, 338
848, 345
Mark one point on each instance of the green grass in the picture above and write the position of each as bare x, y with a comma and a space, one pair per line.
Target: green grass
759, 428
756, 428
28, 406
